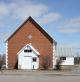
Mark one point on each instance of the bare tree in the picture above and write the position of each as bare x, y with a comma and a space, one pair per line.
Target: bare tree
46, 62
2, 61
58, 64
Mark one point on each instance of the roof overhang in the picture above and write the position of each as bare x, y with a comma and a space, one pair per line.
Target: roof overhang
31, 47
37, 26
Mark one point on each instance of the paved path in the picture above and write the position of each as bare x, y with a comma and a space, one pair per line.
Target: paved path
38, 76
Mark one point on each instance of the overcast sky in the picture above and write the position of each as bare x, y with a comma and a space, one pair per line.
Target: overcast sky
60, 18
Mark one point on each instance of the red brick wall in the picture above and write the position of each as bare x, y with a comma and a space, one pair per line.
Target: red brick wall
20, 39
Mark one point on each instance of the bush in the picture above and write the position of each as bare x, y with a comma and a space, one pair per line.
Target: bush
46, 62
58, 64
1, 63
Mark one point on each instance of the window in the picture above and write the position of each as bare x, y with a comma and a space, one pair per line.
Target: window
34, 59
29, 36
27, 50
62, 58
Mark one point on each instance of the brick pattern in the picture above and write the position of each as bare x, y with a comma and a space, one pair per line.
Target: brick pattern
21, 38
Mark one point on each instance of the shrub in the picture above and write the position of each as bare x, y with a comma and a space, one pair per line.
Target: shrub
46, 62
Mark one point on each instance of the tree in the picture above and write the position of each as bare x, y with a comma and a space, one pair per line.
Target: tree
46, 62
58, 64
2, 61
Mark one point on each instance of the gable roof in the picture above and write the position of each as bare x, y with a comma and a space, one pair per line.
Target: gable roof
31, 47
37, 26
65, 52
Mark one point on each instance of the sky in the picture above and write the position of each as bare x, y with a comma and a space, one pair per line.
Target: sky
59, 18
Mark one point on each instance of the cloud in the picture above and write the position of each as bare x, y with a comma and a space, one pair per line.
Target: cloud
1, 24
3, 10
70, 45
19, 10
50, 17
69, 30
70, 26
22, 9
2, 36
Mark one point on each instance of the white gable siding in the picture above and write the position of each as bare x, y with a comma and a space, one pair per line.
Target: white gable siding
25, 59
68, 61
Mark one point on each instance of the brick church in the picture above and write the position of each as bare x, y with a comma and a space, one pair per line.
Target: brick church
29, 47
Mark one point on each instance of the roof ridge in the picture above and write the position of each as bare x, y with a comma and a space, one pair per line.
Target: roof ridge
37, 26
